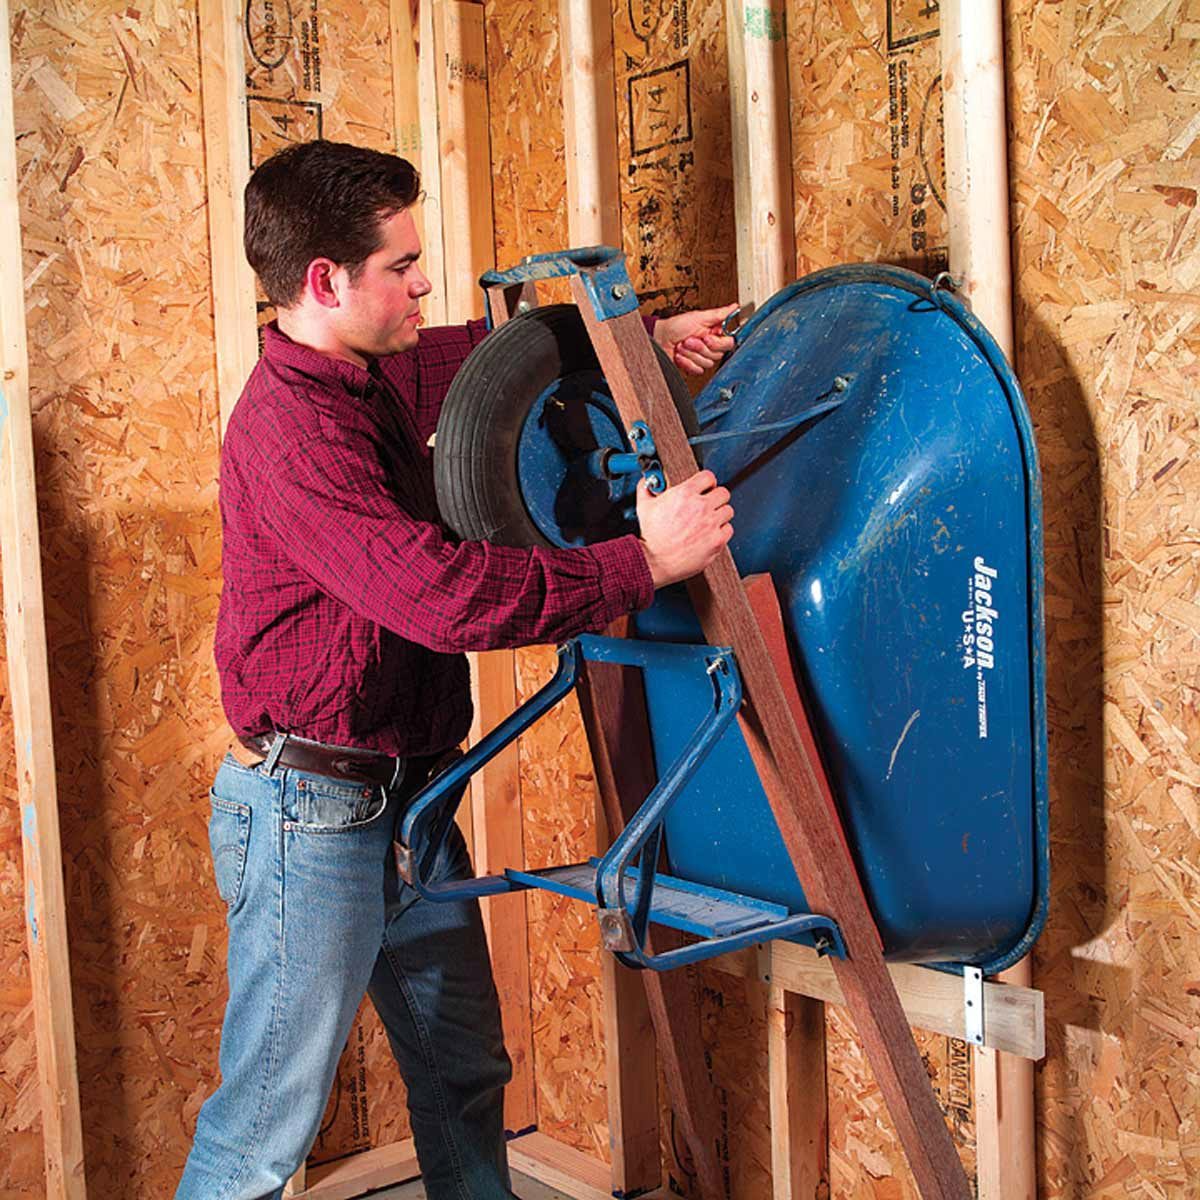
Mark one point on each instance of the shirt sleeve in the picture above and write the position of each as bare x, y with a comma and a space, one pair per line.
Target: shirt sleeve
425, 374
332, 512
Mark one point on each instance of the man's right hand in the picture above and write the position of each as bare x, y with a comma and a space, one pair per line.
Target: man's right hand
683, 528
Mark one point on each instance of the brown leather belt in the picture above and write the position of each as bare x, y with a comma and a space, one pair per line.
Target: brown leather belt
339, 762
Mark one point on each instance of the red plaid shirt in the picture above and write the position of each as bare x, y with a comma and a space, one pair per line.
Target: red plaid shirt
346, 605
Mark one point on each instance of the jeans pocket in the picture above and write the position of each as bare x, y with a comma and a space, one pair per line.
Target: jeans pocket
314, 804
228, 837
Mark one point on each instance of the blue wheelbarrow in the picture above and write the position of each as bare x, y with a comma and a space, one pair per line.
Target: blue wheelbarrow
884, 473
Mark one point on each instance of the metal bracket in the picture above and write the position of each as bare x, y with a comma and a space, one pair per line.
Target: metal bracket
602, 269
762, 958
405, 862
616, 929
642, 441
973, 1004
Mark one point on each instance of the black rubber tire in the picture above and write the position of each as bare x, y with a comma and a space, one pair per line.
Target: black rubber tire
475, 450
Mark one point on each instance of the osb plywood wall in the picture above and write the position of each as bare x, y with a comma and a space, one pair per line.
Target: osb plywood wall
1104, 102
1106, 165
111, 164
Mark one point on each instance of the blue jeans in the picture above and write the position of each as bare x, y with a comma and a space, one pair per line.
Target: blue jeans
317, 916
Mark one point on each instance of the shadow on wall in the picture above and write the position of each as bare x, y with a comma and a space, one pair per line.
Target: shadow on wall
86, 852
130, 715
1084, 902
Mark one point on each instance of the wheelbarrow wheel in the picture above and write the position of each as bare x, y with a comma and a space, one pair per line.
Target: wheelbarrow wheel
476, 462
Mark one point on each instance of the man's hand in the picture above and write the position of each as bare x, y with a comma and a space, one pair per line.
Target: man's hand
683, 528
694, 340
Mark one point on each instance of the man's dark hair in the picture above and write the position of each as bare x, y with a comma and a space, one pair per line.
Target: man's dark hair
321, 200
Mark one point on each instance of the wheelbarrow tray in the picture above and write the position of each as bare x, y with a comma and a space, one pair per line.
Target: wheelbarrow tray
902, 528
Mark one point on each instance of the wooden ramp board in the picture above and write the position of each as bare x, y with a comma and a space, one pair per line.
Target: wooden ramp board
44, 902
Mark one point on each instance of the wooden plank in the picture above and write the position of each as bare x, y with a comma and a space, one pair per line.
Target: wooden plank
29, 690
404, 42
613, 705
298, 1182
506, 302
227, 164
1013, 1016
762, 147
800, 805
631, 1068
468, 246
496, 810
562, 1167
766, 258
414, 102
631, 1078
227, 167
976, 140
590, 122
594, 218
363, 1172
464, 154
799, 1108
1006, 1167
977, 201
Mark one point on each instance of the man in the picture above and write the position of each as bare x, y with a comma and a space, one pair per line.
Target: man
345, 611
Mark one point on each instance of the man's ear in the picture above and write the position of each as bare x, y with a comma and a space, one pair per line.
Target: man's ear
321, 282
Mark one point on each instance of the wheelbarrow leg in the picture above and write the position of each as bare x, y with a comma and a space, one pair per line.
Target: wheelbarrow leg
613, 705
810, 832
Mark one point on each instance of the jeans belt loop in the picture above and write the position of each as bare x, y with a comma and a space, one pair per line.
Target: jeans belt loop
281, 740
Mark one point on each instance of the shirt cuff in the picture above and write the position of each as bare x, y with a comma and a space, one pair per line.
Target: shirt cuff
649, 323
625, 581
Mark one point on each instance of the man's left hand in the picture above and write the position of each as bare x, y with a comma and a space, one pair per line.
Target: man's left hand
694, 340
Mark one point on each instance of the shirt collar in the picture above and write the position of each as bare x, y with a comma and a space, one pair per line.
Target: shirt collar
283, 353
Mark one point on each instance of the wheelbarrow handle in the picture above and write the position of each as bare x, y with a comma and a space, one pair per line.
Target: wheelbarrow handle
602, 269
552, 265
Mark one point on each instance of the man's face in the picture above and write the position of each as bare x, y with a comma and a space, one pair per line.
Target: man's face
379, 312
